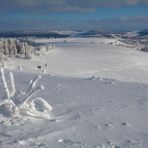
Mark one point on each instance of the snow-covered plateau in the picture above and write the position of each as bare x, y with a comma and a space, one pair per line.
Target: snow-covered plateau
83, 93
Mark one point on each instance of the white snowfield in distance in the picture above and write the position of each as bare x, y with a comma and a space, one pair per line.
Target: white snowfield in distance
86, 57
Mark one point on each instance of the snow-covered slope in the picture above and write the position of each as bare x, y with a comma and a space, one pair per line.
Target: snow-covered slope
95, 94
88, 113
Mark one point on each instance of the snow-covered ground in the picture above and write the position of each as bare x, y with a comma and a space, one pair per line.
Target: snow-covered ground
79, 57
98, 93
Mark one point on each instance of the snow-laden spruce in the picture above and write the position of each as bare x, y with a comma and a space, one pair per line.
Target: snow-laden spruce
21, 48
35, 107
9, 47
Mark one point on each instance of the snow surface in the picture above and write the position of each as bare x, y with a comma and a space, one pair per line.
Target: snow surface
98, 93
78, 57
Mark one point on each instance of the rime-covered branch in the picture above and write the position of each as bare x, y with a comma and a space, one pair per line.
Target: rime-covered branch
30, 105
5, 85
12, 89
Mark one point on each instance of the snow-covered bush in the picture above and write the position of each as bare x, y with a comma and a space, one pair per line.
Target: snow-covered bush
144, 48
34, 107
2, 57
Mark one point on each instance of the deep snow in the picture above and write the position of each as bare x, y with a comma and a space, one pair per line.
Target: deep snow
98, 93
86, 113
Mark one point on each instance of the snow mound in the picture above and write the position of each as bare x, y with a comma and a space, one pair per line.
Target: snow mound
8, 108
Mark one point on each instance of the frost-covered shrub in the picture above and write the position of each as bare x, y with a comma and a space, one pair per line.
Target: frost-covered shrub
50, 47
144, 48
28, 54
41, 49
34, 107
2, 57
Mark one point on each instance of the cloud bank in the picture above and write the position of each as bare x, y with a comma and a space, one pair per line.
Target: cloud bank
121, 24
52, 14
64, 5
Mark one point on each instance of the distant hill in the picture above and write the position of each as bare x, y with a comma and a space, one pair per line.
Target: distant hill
143, 32
39, 34
65, 34
95, 33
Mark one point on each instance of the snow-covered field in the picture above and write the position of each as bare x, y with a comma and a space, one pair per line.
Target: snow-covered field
78, 57
98, 92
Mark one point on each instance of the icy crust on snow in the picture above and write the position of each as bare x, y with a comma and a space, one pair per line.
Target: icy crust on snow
87, 113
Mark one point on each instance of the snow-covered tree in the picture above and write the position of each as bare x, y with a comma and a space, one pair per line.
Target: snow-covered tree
21, 48
14, 46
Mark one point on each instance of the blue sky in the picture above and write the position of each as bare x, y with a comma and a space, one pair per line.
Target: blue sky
107, 15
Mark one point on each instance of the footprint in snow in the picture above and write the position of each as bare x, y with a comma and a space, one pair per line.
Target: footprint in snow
107, 81
133, 143
107, 146
125, 124
109, 124
68, 142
